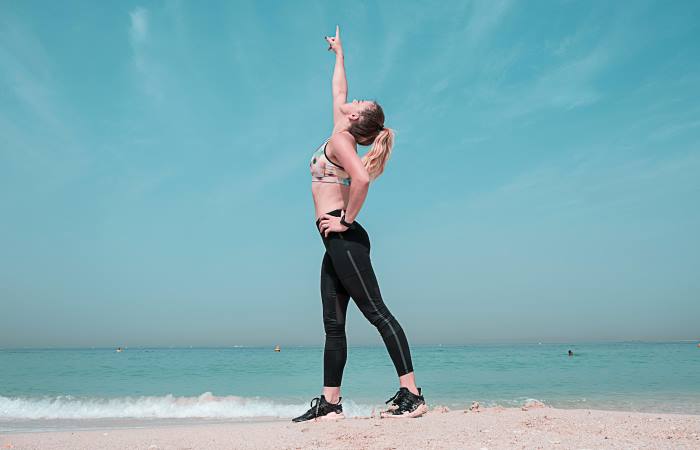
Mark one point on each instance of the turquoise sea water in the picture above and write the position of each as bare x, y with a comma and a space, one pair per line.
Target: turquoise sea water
41, 386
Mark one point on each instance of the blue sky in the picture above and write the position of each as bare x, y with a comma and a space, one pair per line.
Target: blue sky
155, 190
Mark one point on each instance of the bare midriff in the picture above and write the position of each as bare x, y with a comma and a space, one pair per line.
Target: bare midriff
329, 197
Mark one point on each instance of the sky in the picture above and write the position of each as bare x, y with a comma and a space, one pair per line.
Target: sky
155, 189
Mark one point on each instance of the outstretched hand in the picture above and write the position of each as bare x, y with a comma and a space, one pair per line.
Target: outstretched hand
334, 42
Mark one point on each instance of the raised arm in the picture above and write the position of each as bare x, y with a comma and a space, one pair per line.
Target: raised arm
340, 83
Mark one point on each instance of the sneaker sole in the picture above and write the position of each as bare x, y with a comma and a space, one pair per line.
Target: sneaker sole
330, 417
422, 409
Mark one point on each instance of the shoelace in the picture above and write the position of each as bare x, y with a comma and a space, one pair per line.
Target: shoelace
317, 405
398, 394
405, 403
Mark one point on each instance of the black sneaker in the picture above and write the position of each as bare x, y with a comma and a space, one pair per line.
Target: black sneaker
396, 398
322, 410
406, 404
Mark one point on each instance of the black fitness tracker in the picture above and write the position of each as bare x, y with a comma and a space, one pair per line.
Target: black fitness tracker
345, 224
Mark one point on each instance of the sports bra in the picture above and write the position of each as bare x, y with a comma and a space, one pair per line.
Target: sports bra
323, 170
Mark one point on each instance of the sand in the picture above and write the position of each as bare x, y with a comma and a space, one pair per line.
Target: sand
487, 428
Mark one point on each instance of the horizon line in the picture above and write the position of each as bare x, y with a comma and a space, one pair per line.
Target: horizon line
234, 346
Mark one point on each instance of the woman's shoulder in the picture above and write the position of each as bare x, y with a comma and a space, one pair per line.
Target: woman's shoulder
341, 138
338, 140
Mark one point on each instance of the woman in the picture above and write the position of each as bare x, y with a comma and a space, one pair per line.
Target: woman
340, 180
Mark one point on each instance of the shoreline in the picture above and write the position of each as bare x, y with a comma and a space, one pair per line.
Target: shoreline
108, 424
492, 427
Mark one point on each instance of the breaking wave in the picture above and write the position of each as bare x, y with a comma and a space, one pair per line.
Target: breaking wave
206, 405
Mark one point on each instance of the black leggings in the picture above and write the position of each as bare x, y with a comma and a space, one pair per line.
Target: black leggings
347, 272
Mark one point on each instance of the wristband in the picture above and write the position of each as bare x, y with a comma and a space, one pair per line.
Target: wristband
345, 224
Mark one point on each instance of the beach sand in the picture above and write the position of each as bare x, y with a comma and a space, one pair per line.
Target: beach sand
491, 428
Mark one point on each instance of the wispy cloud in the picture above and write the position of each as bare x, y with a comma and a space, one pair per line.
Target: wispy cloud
462, 48
483, 20
25, 65
391, 45
670, 130
55, 154
139, 25
148, 71
592, 181
566, 86
247, 59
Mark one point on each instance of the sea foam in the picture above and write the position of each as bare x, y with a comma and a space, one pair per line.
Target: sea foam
205, 405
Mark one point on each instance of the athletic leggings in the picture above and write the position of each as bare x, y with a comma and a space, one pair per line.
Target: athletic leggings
347, 272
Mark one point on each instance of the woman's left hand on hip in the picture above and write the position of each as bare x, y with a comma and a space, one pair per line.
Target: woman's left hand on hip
330, 223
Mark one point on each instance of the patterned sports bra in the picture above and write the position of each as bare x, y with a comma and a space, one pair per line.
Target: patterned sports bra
323, 170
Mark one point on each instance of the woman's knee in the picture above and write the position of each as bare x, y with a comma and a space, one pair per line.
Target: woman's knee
336, 341
383, 321
334, 329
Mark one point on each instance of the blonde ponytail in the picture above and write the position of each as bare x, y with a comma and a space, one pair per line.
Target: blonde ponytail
375, 159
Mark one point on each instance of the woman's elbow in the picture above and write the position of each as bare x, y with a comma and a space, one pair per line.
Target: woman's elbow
361, 180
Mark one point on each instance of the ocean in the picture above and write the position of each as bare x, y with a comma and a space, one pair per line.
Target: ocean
43, 389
